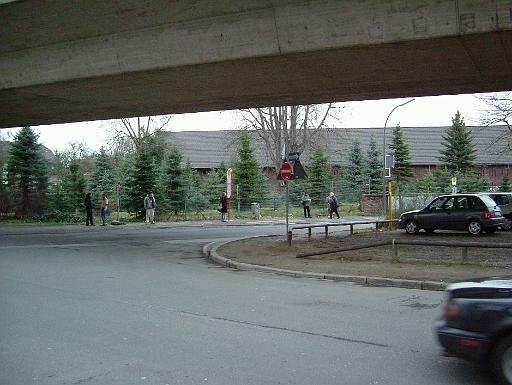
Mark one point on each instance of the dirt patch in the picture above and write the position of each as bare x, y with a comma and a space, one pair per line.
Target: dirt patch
431, 263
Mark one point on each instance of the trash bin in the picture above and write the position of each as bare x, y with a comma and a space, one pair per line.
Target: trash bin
255, 209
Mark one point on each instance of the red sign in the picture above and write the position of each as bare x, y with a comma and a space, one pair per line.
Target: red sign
286, 171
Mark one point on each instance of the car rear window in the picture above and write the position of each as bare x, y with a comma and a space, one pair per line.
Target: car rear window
487, 201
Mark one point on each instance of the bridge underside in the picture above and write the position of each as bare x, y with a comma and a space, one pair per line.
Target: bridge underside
460, 64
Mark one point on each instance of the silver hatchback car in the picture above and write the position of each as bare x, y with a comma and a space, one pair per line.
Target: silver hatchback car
504, 201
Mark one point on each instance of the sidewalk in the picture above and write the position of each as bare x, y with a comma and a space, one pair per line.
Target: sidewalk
41, 228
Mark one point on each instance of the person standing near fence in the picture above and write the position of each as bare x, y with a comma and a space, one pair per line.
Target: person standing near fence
223, 206
333, 205
104, 209
306, 202
150, 205
88, 209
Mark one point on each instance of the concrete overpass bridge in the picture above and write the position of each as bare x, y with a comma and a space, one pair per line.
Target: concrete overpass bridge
75, 60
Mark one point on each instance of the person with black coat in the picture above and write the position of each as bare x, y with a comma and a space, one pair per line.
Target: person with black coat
223, 206
88, 209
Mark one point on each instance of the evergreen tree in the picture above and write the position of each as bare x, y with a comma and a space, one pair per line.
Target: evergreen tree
459, 150
122, 166
247, 173
442, 181
172, 183
4, 195
400, 150
319, 175
505, 184
423, 184
354, 178
27, 173
374, 167
103, 177
216, 183
142, 178
436, 182
470, 181
194, 196
72, 189
297, 188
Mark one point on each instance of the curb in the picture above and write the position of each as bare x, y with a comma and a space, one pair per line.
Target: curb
210, 252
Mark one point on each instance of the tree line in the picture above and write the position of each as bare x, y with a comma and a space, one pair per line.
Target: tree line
31, 186
141, 161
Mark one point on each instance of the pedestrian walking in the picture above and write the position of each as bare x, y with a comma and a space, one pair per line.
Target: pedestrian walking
306, 202
333, 205
150, 205
88, 209
104, 209
223, 207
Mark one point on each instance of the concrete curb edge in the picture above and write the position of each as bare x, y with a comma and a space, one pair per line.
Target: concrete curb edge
210, 252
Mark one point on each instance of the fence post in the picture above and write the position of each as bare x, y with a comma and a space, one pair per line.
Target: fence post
396, 257
464, 254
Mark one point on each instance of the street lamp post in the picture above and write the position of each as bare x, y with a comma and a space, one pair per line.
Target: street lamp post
384, 151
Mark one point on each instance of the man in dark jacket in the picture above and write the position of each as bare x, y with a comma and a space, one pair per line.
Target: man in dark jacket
88, 209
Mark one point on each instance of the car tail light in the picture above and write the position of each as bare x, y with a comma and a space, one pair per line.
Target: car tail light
469, 342
487, 214
451, 311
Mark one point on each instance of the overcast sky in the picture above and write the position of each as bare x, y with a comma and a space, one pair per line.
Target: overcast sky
424, 112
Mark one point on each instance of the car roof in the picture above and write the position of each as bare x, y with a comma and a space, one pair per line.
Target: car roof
501, 282
460, 194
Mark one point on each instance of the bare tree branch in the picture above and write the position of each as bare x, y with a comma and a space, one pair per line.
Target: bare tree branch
499, 112
288, 128
131, 133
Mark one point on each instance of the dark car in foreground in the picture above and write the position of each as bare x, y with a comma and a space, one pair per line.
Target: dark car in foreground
474, 213
476, 324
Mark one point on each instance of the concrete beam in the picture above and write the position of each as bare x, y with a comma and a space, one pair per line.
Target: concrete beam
71, 60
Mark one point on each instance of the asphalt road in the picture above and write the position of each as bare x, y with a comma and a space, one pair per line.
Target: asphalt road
140, 305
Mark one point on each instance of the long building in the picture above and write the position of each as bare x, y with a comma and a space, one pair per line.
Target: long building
207, 149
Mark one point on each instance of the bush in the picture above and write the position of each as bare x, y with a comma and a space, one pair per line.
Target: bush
55, 216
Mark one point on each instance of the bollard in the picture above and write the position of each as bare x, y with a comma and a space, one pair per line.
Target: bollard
289, 238
396, 257
351, 229
464, 254
309, 233
326, 231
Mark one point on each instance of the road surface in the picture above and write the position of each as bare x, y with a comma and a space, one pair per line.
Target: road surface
140, 305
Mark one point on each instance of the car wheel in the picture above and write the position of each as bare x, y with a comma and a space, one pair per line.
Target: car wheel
411, 227
507, 226
501, 360
474, 227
